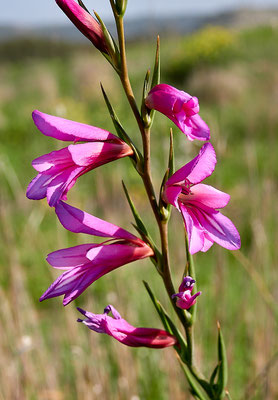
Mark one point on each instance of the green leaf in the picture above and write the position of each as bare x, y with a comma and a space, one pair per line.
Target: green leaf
195, 386
145, 112
138, 219
83, 6
116, 122
156, 69
165, 209
171, 155
112, 47
138, 158
213, 375
168, 324
223, 366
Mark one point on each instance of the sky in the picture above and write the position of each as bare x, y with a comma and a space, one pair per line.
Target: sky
46, 12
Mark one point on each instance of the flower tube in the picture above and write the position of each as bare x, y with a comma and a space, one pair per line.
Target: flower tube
198, 204
59, 170
121, 330
179, 107
86, 263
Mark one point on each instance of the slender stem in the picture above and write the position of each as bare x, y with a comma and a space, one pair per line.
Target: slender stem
193, 309
146, 177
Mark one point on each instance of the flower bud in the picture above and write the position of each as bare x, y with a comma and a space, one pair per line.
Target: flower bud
85, 23
185, 299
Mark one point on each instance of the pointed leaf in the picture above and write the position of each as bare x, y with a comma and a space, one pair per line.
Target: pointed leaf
116, 122
213, 375
83, 6
171, 155
145, 113
223, 365
168, 323
122, 133
195, 386
138, 220
112, 47
156, 70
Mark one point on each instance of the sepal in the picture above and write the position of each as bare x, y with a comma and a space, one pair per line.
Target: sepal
196, 387
120, 7
137, 157
164, 208
113, 50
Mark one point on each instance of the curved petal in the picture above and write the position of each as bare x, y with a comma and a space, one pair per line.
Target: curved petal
171, 194
37, 188
219, 228
60, 185
208, 195
79, 221
198, 169
200, 129
67, 130
194, 230
60, 159
70, 257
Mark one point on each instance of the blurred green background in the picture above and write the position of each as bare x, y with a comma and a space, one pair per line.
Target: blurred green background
45, 354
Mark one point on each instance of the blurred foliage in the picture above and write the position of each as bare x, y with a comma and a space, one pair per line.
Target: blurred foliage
210, 45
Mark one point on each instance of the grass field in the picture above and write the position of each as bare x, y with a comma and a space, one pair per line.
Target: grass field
45, 354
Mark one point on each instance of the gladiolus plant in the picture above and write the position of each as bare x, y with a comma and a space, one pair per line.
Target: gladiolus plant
198, 205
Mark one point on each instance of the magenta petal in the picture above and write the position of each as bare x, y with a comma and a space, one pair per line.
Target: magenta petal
181, 108
208, 195
98, 153
200, 130
125, 333
117, 254
171, 194
70, 257
198, 169
60, 159
67, 130
219, 228
60, 185
79, 221
194, 231
70, 283
37, 188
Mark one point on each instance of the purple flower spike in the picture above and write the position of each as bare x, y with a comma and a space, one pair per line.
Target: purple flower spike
86, 263
59, 170
185, 299
181, 108
125, 333
198, 204
85, 23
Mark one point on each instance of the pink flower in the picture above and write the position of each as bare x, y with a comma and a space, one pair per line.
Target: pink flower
86, 263
59, 170
181, 108
85, 23
198, 203
121, 330
185, 298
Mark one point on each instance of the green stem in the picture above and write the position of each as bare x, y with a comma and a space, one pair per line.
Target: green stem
146, 177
